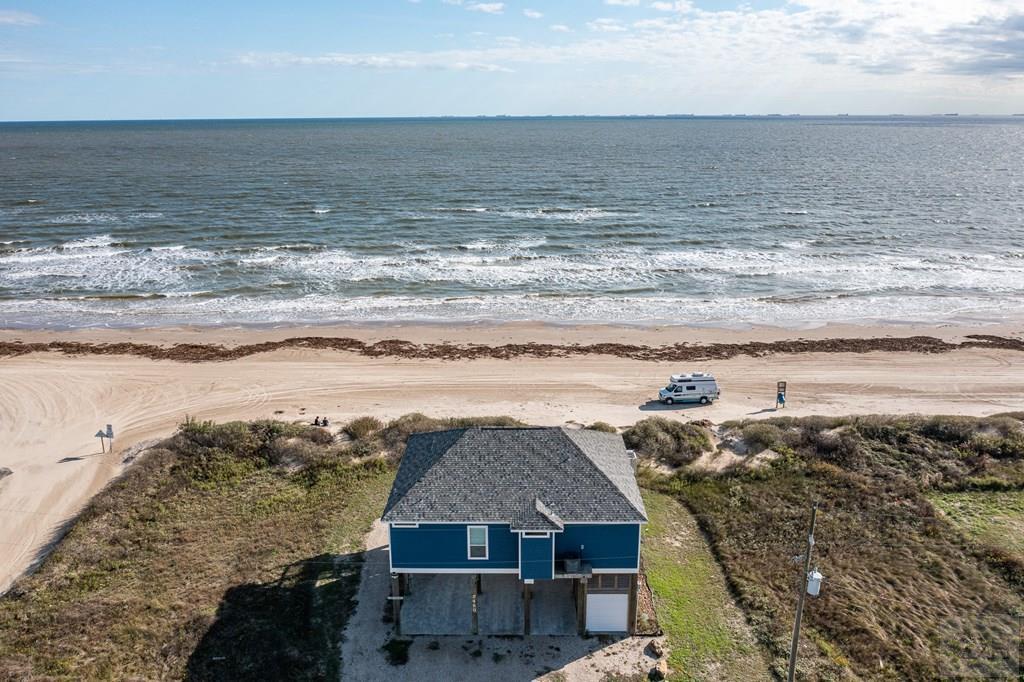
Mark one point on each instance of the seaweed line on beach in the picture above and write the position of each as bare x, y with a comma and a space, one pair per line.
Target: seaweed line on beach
189, 352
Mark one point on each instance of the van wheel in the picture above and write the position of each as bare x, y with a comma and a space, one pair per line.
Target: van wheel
704, 400
669, 401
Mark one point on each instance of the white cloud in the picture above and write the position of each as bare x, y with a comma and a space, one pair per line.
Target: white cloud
454, 60
677, 6
622, 3
532, 14
13, 17
486, 7
606, 26
809, 51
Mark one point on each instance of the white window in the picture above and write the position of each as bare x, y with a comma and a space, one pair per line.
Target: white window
476, 536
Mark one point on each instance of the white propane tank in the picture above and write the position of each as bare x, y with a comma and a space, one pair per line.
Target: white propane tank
814, 583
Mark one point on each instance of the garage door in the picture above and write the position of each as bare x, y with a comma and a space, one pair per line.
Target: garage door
607, 612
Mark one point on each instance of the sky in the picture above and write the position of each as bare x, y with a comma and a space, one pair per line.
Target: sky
125, 59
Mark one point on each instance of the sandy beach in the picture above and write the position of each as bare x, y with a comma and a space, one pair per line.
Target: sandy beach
51, 403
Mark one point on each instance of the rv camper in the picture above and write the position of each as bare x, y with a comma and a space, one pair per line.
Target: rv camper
697, 387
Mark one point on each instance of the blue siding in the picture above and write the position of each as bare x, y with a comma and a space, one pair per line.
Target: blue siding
604, 545
536, 560
443, 545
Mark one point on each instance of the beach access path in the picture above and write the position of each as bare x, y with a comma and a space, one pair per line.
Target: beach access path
52, 404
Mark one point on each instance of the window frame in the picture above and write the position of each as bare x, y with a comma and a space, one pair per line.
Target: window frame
470, 545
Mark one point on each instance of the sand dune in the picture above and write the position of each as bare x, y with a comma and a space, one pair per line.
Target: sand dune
52, 404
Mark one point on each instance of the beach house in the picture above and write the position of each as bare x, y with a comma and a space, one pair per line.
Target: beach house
508, 531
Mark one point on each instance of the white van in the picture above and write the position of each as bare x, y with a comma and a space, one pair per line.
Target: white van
697, 387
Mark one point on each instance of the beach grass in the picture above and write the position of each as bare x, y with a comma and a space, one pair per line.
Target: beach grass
208, 559
229, 551
906, 595
232, 551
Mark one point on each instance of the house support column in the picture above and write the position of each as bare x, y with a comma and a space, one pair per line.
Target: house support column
397, 585
581, 605
633, 590
475, 602
526, 608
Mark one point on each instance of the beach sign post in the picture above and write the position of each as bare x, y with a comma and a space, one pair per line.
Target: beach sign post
780, 394
109, 435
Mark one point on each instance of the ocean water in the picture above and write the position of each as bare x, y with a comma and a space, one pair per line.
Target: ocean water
786, 221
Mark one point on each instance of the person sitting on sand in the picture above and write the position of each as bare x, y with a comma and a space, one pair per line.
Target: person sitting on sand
316, 421
324, 422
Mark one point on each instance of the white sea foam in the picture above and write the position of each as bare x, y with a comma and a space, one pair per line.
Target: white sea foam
461, 209
320, 210
95, 241
665, 309
694, 284
558, 213
480, 245
83, 218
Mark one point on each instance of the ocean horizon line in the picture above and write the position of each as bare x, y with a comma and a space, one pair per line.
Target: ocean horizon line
517, 117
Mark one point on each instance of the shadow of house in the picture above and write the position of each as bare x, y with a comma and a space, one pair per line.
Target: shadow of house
286, 629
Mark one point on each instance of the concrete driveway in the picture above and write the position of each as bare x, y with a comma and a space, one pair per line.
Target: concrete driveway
552, 608
438, 605
500, 605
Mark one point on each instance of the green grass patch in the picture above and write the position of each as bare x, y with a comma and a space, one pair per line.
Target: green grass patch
706, 632
992, 518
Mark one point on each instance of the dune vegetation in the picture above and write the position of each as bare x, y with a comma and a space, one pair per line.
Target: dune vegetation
232, 551
229, 551
908, 594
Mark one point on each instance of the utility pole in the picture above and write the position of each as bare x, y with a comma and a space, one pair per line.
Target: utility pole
803, 594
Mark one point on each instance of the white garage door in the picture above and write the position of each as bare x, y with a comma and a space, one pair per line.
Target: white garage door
607, 612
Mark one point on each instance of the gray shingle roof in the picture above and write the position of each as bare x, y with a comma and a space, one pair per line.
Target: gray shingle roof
532, 478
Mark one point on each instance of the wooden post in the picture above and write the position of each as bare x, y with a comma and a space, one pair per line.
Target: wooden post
396, 601
475, 602
526, 608
581, 605
634, 584
803, 593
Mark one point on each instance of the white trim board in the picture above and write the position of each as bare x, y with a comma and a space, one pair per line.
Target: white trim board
513, 571
509, 523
